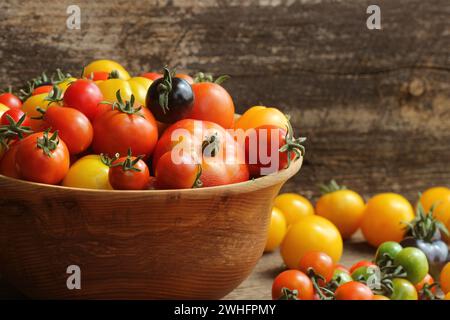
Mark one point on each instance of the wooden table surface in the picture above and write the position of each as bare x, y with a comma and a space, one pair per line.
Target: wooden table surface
258, 284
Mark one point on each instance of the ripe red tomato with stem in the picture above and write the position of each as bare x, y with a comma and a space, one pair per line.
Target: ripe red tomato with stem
85, 96
181, 173
292, 285
43, 157
129, 173
8, 161
317, 265
353, 290
212, 103
125, 126
73, 127
269, 149
10, 100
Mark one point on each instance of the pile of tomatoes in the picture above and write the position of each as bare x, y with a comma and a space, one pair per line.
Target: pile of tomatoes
412, 249
108, 130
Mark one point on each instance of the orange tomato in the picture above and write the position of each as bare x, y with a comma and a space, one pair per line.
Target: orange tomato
293, 206
277, 230
259, 116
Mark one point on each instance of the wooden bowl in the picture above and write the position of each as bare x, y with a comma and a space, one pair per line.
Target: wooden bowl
154, 244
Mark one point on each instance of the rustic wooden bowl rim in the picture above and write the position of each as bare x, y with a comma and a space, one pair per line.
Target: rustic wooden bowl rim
278, 177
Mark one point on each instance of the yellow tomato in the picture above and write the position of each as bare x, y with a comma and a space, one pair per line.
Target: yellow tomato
259, 116
106, 66
88, 172
30, 108
277, 230
445, 278
385, 218
65, 84
345, 208
110, 87
293, 206
311, 233
3, 109
447, 296
434, 196
139, 86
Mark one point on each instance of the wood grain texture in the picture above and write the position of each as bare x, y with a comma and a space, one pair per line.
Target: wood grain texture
154, 244
375, 105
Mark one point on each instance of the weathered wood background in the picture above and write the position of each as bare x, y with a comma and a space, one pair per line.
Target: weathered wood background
375, 105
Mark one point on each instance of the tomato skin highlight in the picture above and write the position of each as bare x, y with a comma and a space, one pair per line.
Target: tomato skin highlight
293, 280
121, 179
353, 290
212, 103
10, 100
73, 127
34, 165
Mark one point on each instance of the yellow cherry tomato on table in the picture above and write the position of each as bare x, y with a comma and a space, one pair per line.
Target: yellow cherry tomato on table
445, 279
345, 208
311, 233
277, 230
293, 206
105, 66
385, 218
261, 116
88, 172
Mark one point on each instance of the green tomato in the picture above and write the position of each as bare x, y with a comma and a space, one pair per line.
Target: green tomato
341, 276
403, 290
414, 262
389, 248
363, 273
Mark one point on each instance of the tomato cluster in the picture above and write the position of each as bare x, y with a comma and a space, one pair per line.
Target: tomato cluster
109, 130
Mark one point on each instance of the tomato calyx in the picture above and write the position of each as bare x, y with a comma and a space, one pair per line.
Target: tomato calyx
425, 226
288, 294
13, 130
42, 80
428, 292
55, 95
129, 163
114, 74
48, 144
164, 89
332, 186
106, 160
293, 145
125, 106
208, 77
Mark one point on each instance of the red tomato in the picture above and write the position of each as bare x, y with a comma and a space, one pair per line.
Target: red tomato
321, 263
83, 95
362, 263
42, 89
293, 280
125, 127
216, 172
8, 161
16, 115
181, 174
212, 103
10, 100
42, 157
152, 75
73, 127
262, 150
353, 290
129, 173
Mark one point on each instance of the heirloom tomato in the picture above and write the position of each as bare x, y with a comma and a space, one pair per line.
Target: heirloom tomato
293, 206
105, 66
129, 173
180, 173
90, 172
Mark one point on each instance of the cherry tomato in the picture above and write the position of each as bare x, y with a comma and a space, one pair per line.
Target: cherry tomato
445, 278
259, 116
293, 206
414, 262
42, 157
73, 127
320, 263
88, 172
14, 114
10, 100
139, 87
126, 126
85, 96
385, 218
427, 280
338, 266
389, 249
341, 276
364, 273
8, 161
434, 196
129, 173
293, 280
403, 290
447, 296
311, 233
30, 107
105, 66
362, 263
380, 297
42, 89
212, 103
183, 174
345, 208
277, 230
353, 291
